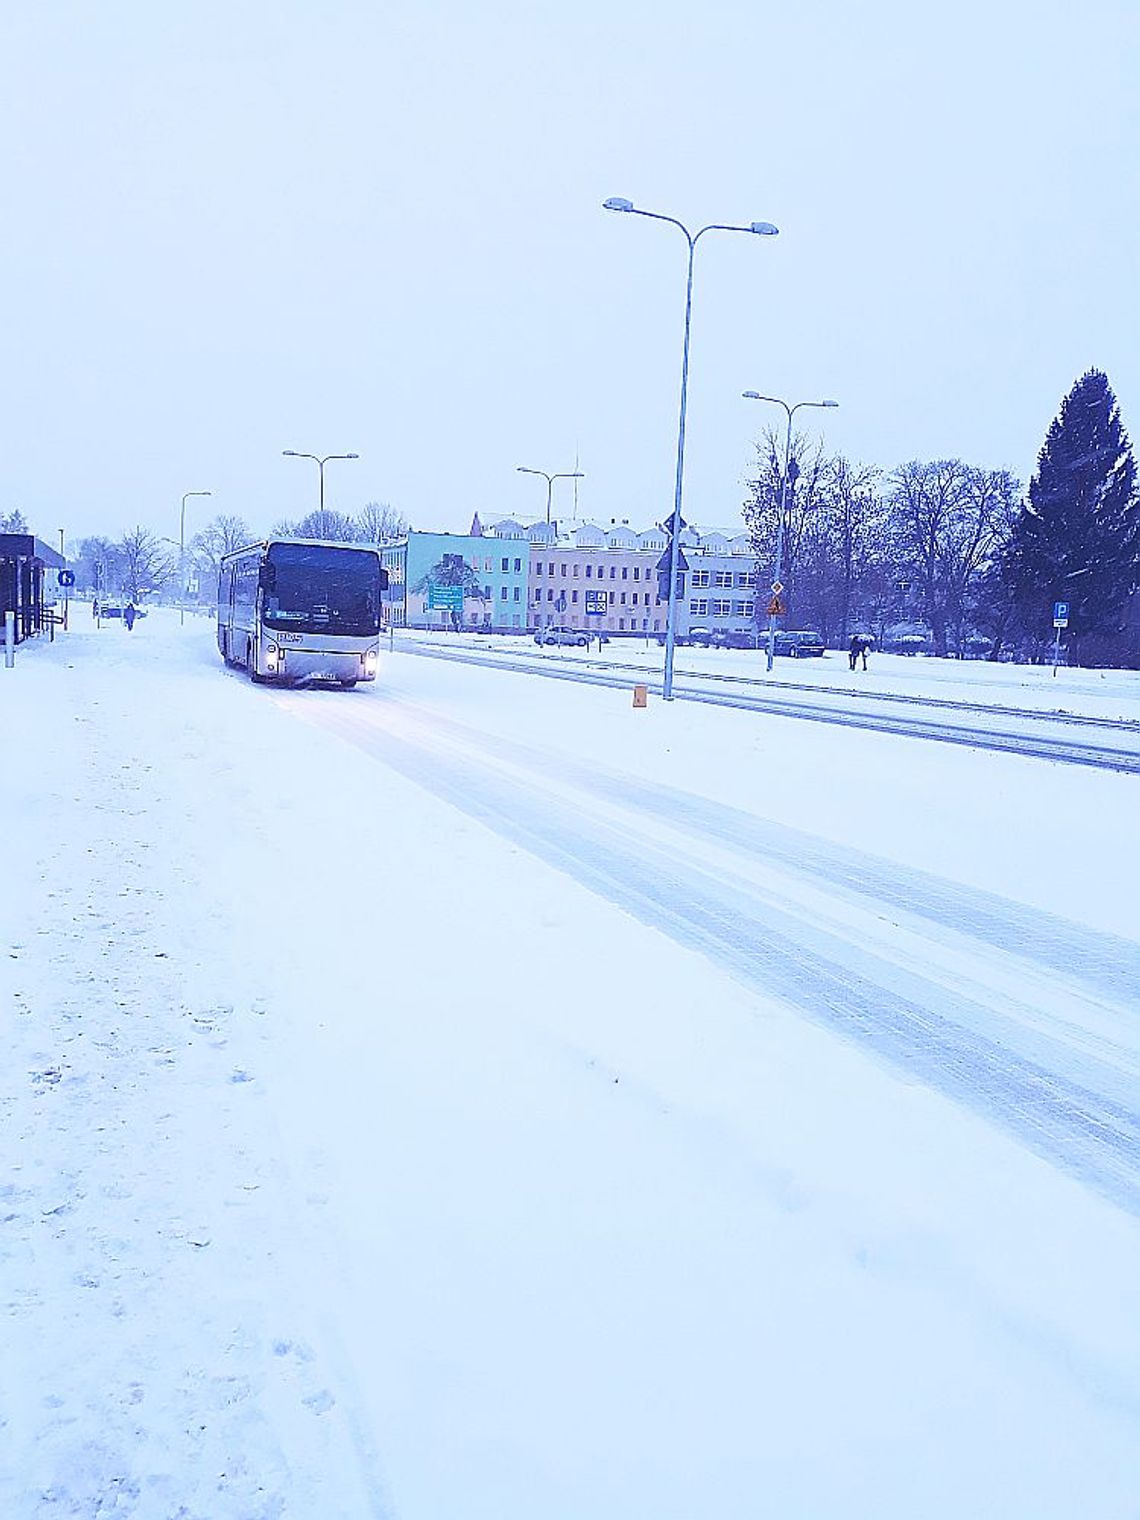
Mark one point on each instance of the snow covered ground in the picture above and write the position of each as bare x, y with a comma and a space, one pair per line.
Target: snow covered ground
470, 1096
1091, 693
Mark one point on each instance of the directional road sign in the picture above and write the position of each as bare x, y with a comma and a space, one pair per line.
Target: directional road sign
596, 603
663, 562
66, 577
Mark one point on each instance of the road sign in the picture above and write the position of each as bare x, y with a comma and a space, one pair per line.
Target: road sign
663, 563
66, 577
446, 596
776, 607
597, 603
561, 602
1060, 614
777, 587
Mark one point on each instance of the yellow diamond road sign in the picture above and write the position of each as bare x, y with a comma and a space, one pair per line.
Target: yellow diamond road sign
777, 587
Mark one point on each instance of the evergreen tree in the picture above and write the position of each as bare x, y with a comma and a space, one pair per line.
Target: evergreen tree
1078, 538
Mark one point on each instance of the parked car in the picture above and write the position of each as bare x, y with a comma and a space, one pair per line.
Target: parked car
110, 609
735, 638
562, 636
799, 644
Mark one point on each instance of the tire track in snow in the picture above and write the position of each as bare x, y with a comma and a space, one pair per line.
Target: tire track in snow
919, 1027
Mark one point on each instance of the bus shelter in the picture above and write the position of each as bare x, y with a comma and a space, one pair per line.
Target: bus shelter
23, 563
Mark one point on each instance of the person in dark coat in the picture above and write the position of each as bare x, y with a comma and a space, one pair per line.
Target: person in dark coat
859, 646
129, 615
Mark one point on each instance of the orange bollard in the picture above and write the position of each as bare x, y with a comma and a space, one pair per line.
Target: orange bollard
641, 696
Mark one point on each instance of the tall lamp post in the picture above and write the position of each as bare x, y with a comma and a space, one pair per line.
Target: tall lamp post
761, 229
320, 464
182, 554
550, 479
791, 411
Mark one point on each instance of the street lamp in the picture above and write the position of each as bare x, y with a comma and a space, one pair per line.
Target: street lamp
791, 411
320, 463
182, 555
550, 479
761, 229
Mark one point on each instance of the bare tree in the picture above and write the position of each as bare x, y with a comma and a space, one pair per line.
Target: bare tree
13, 522
949, 520
379, 523
144, 564
327, 525
219, 537
97, 565
808, 468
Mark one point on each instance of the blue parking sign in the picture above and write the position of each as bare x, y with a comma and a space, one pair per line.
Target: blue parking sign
1060, 611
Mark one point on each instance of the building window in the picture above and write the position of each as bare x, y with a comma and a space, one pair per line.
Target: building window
518, 594
700, 579
611, 572
637, 573
506, 566
623, 603
743, 609
502, 593
538, 567
745, 580
550, 593
563, 567
722, 609
589, 571
699, 607
575, 567
625, 572
724, 577
621, 622
486, 593
518, 566
486, 564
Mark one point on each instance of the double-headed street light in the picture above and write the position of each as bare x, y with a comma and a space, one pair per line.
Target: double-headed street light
776, 587
761, 229
550, 479
182, 554
320, 464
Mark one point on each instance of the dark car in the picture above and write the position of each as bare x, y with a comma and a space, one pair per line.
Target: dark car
735, 638
110, 610
799, 644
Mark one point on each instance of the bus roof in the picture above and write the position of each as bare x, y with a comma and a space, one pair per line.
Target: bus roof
262, 544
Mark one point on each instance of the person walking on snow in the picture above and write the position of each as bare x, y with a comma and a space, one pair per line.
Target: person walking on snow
859, 646
129, 615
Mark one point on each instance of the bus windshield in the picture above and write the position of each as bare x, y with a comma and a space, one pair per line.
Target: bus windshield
316, 588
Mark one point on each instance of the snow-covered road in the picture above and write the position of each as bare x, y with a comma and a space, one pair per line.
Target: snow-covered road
470, 1096
1021, 1015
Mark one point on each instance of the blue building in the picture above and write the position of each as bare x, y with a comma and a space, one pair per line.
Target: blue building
500, 568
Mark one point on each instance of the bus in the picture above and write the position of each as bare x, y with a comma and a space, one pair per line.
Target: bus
292, 610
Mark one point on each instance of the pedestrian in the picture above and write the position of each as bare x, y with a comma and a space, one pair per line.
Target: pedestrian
129, 615
853, 650
95, 607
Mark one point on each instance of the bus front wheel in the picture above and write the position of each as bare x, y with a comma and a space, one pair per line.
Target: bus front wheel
347, 685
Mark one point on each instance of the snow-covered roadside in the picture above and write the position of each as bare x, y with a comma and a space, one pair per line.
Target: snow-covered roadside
1091, 693
440, 1163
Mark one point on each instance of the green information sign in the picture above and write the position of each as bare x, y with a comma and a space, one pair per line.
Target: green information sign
446, 596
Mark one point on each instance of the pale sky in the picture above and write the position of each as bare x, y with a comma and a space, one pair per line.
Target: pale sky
235, 228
